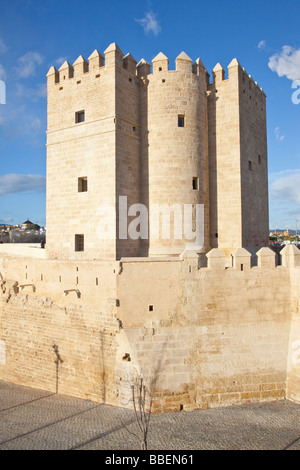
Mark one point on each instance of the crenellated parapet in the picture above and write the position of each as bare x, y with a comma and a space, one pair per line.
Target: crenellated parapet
129, 63
290, 256
241, 259
160, 63
96, 61
238, 73
183, 63
80, 66
113, 56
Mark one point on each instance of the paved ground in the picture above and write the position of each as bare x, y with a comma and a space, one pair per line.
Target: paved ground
37, 420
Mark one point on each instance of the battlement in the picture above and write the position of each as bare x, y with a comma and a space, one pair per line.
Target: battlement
95, 63
234, 329
234, 68
113, 56
243, 260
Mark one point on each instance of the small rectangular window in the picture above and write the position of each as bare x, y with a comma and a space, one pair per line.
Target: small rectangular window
79, 117
195, 183
180, 120
79, 242
250, 165
82, 184
259, 159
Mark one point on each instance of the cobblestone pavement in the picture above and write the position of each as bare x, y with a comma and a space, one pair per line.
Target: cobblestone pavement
37, 420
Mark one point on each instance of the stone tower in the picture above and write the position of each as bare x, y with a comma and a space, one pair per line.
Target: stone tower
238, 161
176, 151
123, 142
93, 155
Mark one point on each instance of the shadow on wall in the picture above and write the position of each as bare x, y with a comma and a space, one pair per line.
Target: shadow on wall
57, 362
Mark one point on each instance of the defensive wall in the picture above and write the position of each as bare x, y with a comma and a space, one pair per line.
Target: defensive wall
201, 337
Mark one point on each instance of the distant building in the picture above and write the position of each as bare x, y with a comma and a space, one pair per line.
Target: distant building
26, 224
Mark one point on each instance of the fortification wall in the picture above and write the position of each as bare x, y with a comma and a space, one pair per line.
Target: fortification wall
215, 336
293, 375
58, 326
200, 337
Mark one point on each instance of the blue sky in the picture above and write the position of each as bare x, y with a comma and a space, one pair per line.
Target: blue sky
35, 34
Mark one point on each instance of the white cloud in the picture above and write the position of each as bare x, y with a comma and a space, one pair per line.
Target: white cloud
2, 72
150, 23
284, 191
5, 220
33, 94
286, 187
278, 134
15, 183
3, 47
19, 121
60, 60
34, 124
286, 63
27, 64
261, 44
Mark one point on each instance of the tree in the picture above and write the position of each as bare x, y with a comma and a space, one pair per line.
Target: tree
142, 405
34, 227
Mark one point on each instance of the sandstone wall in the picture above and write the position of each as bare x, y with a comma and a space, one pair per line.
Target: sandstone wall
177, 154
238, 160
130, 143
200, 337
254, 162
81, 150
293, 374
219, 337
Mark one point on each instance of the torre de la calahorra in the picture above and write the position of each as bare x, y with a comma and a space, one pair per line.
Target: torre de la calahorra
157, 262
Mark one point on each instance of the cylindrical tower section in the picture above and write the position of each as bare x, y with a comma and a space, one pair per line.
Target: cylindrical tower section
178, 158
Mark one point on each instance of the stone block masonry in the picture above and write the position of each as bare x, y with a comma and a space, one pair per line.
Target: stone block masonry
209, 326
201, 338
168, 138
